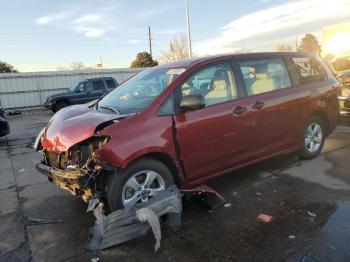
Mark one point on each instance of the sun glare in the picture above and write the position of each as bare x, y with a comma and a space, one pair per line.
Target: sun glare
339, 43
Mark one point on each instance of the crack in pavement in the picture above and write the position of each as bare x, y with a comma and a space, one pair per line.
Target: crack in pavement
24, 246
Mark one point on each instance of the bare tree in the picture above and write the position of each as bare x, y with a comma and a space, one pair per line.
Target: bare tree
178, 50
77, 66
284, 47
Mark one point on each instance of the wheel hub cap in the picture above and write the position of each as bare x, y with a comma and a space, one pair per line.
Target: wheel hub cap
313, 137
142, 186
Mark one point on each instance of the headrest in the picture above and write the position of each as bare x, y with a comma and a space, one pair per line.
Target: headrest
261, 76
220, 75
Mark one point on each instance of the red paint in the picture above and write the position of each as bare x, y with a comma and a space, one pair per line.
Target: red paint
205, 143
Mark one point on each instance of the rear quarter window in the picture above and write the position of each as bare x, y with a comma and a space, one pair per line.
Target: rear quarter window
308, 69
264, 75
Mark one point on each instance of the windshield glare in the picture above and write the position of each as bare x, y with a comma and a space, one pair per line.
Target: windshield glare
137, 93
73, 88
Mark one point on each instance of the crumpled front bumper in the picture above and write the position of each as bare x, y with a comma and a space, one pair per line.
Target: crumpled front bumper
70, 180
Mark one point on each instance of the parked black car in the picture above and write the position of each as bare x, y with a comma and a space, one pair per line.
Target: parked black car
4, 125
81, 93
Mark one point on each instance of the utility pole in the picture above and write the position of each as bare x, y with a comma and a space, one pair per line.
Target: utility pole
150, 41
101, 62
188, 30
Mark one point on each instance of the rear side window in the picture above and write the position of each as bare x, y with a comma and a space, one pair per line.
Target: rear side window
308, 69
264, 75
111, 84
98, 85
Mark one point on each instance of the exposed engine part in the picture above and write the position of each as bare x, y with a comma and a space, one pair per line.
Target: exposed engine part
129, 223
76, 170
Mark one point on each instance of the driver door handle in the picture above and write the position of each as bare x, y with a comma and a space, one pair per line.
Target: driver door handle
239, 110
258, 105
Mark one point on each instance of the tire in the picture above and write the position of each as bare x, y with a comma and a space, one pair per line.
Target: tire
60, 105
312, 143
118, 190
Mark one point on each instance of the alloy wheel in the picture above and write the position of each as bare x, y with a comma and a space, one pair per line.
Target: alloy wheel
313, 137
142, 186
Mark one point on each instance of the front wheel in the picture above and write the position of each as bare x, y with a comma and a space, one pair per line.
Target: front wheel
59, 105
137, 183
313, 138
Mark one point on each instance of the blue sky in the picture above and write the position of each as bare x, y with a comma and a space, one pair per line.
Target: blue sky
44, 35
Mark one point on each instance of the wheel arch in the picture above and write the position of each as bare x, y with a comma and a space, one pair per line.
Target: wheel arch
324, 118
167, 160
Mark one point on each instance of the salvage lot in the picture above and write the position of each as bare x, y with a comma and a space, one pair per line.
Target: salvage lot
309, 202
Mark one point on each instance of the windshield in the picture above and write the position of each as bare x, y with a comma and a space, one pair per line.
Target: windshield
137, 93
74, 87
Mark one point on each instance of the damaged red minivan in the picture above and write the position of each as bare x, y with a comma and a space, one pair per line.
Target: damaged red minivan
188, 122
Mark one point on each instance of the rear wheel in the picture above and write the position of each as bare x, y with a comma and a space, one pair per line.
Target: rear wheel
313, 138
138, 183
60, 105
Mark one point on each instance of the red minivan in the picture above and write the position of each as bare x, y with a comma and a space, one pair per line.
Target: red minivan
188, 122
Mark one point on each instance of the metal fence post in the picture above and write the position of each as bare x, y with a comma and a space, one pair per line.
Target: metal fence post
39, 89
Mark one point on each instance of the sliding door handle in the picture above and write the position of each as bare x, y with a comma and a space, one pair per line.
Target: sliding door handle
239, 110
258, 105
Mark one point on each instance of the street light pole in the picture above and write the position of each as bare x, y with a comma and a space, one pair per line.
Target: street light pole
188, 30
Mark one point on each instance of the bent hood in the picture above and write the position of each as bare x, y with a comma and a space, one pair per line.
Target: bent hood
72, 125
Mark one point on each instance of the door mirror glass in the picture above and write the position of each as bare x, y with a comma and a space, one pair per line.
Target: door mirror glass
192, 102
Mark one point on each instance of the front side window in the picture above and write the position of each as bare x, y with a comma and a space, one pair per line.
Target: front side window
98, 85
264, 75
215, 83
309, 70
111, 84
137, 93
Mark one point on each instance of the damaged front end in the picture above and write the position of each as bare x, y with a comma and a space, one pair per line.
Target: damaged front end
77, 170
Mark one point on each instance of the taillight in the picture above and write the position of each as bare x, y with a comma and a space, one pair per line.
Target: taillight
337, 88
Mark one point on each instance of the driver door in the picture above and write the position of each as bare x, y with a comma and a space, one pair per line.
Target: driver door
217, 137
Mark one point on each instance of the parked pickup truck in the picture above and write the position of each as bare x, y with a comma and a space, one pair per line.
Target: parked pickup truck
81, 93
188, 122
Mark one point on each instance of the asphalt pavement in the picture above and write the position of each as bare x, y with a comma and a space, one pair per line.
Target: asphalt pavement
309, 202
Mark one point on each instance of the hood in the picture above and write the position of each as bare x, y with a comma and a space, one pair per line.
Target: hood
72, 125
63, 93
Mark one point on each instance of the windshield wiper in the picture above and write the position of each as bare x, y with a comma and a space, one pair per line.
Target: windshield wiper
110, 109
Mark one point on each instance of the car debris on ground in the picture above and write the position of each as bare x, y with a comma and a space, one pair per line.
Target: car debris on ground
207, 195
311, 214
130, 223
41, 221
264, 218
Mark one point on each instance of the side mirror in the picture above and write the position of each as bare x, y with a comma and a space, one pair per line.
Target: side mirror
192, 102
